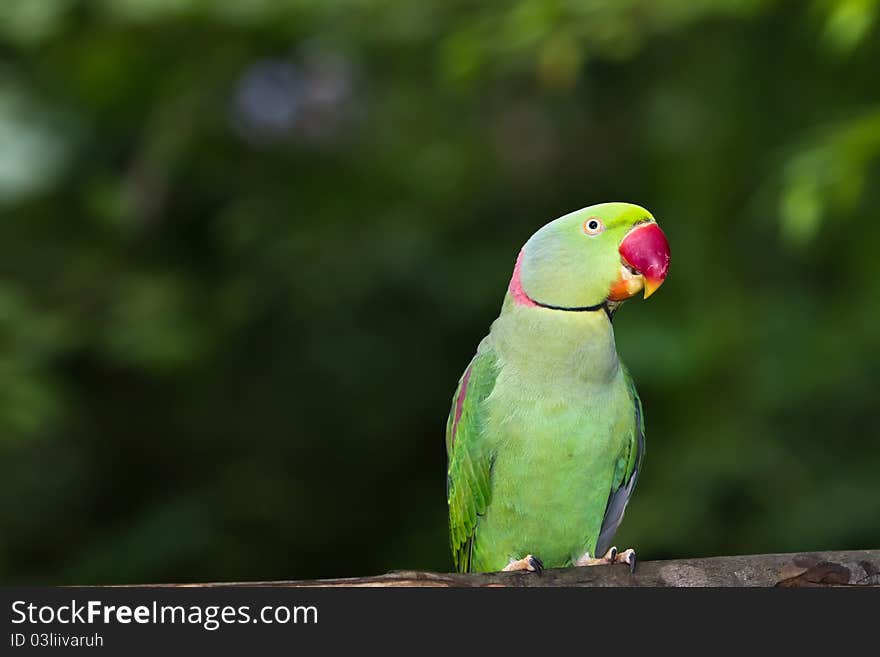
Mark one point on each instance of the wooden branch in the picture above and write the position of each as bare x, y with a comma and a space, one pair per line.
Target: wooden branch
849, 568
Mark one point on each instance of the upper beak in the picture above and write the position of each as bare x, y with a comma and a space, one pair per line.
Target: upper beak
646, 250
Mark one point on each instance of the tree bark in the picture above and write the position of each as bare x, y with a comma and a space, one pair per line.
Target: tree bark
838, 569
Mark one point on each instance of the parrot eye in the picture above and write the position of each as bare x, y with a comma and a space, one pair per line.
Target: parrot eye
593, 226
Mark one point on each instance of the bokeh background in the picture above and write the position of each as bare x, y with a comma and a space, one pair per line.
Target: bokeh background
248, 247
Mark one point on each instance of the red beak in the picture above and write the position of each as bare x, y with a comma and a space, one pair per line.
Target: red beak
646, 250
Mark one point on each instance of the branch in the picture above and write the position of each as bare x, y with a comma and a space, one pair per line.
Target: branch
849, 568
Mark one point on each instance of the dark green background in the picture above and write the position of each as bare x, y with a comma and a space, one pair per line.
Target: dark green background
248, 248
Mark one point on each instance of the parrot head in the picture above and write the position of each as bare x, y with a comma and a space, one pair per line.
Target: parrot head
607, 252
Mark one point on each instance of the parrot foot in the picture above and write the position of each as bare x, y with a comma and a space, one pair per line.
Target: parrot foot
612, 556
530, 563
628, 557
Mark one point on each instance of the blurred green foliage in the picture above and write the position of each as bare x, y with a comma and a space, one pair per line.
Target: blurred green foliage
248, 248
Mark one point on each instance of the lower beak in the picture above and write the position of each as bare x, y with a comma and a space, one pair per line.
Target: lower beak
651, 285
645, 251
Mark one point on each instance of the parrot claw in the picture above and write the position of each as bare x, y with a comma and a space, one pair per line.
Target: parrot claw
612, 556
528, 563
628, 557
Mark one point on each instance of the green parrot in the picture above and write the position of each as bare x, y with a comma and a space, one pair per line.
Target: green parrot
545, 437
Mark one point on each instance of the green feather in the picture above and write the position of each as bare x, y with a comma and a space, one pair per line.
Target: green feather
470, 459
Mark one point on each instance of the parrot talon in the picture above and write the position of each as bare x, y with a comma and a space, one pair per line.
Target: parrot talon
612, 556
529, 563
628, 557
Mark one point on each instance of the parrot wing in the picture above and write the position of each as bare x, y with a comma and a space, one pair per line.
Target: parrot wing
469, 456
623, 486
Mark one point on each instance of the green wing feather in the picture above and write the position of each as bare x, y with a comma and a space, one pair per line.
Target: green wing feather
625, 481
637, 443
469, 457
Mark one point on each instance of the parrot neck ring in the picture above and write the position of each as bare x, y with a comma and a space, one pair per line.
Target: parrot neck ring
570, 309
521, 298
608, 306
